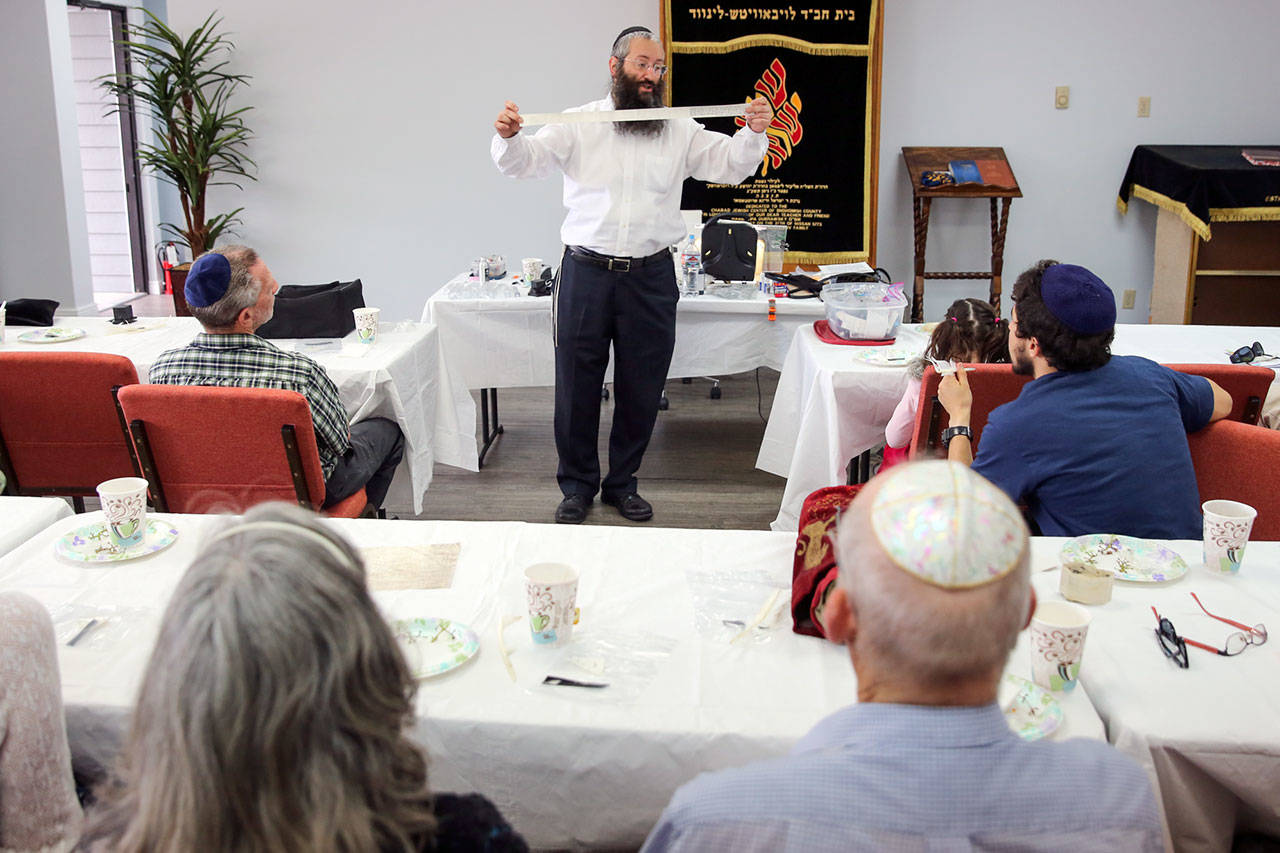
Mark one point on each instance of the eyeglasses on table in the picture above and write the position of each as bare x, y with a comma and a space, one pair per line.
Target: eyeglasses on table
1174, 645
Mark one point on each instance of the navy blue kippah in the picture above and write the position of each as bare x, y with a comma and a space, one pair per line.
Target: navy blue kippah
1079, 299
208, 280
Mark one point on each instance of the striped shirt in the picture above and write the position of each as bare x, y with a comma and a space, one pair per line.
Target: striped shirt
877, 776
248, 361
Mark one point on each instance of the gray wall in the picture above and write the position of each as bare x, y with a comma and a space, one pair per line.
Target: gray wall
44, 244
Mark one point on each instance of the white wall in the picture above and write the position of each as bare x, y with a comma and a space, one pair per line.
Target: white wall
44, 245
373, 125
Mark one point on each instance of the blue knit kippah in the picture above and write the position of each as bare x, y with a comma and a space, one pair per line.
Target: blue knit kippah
1079, 299
208, 280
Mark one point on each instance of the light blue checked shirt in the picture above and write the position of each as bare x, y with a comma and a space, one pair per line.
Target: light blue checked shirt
876, 776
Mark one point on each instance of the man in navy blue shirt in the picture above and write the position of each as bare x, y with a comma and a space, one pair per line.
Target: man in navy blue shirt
1096, 443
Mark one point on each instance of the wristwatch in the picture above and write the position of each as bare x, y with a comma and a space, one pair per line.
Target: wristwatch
951, 432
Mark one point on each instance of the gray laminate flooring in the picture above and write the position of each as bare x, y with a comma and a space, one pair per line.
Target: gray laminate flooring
699, 470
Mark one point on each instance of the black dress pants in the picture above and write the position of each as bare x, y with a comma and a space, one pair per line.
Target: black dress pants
636, 312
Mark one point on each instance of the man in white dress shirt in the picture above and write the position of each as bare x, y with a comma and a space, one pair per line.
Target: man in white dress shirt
622, 184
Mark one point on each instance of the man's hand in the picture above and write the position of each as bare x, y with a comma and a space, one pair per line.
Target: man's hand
955, 396
509, 121
759, 115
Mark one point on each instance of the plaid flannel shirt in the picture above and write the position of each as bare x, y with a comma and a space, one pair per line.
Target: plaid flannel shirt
248, 361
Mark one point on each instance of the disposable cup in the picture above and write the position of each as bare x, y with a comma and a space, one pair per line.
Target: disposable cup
1058, 630
124, 504
551, 591
1226, 532
367, 324
532, 269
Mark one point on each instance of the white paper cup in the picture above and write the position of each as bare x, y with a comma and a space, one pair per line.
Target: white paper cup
532, 269
1058, 630
367, 324
1226, 532
551, 591
124, 503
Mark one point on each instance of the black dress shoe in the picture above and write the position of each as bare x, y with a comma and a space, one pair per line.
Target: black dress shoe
632, 507
573, 509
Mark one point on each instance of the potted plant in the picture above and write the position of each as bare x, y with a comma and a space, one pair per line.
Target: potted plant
200, 139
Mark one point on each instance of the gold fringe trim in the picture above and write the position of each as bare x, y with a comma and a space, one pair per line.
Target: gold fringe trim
1177, 208
742, 42
1244, 214
824, 257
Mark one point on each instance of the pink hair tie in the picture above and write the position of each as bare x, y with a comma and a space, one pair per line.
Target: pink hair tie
952, 319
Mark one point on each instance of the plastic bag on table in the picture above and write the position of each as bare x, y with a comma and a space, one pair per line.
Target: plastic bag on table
737, 608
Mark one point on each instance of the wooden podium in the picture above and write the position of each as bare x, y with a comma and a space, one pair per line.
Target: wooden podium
921, 160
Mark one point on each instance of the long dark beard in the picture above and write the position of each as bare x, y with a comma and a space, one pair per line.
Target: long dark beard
627, 96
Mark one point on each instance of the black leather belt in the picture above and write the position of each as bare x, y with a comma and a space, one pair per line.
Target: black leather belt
613, 264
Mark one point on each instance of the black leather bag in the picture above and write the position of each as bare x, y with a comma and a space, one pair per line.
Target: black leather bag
729, 248
30, 312
314, 310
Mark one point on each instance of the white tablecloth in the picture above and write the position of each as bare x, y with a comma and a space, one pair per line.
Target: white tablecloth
22, 518
829, 407
506, 343
1209, 736
396, 378
568, 767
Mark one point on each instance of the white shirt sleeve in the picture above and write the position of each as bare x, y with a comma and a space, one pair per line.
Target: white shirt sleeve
903, 423
724, 159
532, 156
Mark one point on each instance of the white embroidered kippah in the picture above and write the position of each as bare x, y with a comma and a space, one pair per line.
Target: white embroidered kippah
947, 525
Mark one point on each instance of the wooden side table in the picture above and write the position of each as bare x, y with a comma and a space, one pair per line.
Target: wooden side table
921, 160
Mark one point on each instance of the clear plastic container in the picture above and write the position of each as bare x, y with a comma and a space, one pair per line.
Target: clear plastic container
864, 311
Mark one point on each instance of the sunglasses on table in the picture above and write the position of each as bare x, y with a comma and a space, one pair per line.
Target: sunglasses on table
1244, 355
1175, 646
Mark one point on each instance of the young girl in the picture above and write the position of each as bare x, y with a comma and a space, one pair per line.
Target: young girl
970, 332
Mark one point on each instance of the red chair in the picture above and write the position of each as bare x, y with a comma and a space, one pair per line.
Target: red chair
1247, 384
206, 449
1240, 462
992, 385
60, 430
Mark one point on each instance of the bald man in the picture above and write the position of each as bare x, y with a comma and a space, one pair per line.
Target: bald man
931, 594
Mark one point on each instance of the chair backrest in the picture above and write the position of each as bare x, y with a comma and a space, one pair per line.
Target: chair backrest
207, 449
1240, 462
1246, 383
992, 385
60, 430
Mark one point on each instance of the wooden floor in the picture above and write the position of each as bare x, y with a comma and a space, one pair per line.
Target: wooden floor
699, 470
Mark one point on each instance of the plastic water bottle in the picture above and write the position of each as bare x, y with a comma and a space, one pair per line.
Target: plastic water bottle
691, 267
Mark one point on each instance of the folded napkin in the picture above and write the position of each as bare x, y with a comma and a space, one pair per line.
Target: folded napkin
411, 566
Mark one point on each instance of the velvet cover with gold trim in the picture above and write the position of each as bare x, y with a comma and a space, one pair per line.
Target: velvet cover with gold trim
1203, 184
816, 64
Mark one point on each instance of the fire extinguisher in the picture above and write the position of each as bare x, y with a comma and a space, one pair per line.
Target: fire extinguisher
167, 255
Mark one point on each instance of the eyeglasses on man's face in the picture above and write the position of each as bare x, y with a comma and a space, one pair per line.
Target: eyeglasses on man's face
1244, 355
645, 67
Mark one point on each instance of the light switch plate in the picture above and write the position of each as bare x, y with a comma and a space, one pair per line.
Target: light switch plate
1144, 106
1062, 97
1128, 300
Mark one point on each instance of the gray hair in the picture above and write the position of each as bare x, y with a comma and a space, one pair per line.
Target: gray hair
623, 45
273, 710
243, 291
930, 633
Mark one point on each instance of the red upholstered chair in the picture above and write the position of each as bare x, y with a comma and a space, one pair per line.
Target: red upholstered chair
60, 430
992, 385
1247, 384
1240, 462
206, 449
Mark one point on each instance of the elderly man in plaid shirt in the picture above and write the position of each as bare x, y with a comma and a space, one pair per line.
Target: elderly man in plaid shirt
231, 292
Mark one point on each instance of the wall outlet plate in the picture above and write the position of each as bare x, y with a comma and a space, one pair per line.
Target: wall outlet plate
1144, 106
1128, 299
1062, 97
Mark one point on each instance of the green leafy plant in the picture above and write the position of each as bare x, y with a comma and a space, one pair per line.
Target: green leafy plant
200, 139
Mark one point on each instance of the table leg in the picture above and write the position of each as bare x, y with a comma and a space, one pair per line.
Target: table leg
921, 218
488, 401
997, 249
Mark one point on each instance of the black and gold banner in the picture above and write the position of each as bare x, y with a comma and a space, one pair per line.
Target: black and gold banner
818, 67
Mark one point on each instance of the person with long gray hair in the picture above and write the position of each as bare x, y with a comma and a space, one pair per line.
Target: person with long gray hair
231, 291
273, 712
931, 594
